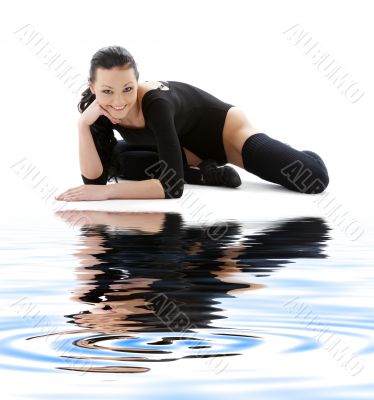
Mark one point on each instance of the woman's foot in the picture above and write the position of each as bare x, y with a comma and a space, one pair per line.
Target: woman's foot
219, 176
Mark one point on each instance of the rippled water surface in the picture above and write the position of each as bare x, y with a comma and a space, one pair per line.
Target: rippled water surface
147, 305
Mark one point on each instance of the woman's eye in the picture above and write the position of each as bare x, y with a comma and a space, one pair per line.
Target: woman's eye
126, 91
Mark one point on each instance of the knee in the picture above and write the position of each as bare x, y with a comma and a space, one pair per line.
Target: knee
133, 165
307, 173
319, 173
320, 182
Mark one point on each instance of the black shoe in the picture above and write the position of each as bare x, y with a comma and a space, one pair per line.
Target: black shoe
219, 176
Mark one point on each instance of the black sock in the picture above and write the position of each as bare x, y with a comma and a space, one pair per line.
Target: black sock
272, 160
193, 176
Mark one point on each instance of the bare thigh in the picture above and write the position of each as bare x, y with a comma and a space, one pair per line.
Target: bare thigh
236, 131
192, 158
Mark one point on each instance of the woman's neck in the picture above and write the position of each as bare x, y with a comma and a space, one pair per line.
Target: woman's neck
134, 119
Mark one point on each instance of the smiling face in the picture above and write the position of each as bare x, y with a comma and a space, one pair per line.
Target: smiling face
116, 90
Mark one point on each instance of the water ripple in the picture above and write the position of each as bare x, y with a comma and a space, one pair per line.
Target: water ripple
163, 292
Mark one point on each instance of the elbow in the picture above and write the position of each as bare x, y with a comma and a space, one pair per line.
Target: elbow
175, 191
178, 194
101, 180
171, 182
319, 184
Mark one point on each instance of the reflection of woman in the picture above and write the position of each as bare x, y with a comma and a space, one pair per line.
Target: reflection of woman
124, 272
186, 126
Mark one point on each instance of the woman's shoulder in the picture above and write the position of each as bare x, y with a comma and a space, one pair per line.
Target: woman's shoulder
149, 92
146, 86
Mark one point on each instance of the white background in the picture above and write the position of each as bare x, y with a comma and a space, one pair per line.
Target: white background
236, 50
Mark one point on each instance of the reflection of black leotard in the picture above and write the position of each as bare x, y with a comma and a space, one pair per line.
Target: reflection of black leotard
184, 116
188, 264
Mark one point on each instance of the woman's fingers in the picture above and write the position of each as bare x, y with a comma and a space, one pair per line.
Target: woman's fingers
84, 192
73, 193
68, 197
70, 193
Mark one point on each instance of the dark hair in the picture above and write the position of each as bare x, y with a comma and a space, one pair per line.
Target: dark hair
102, 129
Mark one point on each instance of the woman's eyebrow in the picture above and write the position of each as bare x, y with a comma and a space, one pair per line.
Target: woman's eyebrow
112, 88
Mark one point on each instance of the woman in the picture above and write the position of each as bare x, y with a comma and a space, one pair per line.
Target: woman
169, 129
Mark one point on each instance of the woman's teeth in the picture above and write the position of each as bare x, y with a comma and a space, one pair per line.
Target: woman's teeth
118, 108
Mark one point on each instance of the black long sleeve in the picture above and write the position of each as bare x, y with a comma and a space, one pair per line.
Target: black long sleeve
160, 118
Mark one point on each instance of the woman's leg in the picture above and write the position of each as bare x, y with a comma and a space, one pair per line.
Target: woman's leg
277, 162
212, 174
192, 159
130, 162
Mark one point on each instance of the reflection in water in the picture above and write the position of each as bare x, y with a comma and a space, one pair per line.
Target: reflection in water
148, 273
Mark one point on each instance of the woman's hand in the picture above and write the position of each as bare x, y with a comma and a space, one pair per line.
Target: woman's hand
85, 192
93, 112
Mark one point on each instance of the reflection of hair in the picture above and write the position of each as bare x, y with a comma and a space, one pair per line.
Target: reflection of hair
102, 129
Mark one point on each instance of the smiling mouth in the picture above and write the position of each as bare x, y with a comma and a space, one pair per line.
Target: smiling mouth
118, 108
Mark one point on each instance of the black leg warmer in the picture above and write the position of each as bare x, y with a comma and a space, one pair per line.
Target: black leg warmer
277, 162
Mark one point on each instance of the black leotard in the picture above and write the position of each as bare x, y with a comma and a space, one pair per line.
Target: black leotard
184, 116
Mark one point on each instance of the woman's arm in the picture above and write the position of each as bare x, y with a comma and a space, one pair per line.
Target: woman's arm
160, 118
146, 189
90, 163
166, 176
